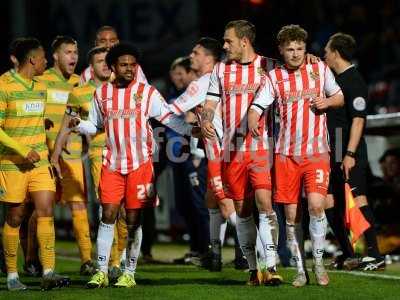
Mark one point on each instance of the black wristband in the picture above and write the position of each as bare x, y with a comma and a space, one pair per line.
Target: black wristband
350, 153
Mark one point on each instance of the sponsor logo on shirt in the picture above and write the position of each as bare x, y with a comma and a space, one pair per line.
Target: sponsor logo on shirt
293, 96
30, 108
120, 114
57, 96
241, 88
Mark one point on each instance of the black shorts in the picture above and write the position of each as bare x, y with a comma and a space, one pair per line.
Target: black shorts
357, 180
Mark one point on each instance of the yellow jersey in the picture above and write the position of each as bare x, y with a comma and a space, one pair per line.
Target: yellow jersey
22, 107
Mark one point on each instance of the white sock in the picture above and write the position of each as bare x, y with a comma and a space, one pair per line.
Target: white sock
317, 232
262, 259
100, 211
216, 221
223, 232
105, 238
133, 248
232, 219
266, 228
12, 275
247, 234
123, 255
293, 246
47, 271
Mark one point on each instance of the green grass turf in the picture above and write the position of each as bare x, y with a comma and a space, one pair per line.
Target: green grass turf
188, 282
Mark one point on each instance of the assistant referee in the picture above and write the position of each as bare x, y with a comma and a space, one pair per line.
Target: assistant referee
349, 160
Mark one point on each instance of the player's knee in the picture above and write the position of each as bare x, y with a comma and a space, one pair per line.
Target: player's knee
226, 209
14, 220
45, 211
109, 215
316, 209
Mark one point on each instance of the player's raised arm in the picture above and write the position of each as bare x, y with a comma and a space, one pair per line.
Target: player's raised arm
94, 123
160, 110
194, 95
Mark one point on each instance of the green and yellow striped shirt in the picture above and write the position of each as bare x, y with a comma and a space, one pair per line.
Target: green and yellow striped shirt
22, 107
58, 90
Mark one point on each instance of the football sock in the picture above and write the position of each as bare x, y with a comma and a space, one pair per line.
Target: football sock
46, 239
293, 246
317, 229
133, 249
82, 234
104, 242
216, 227
10, 244
266, 231
262, 258
247, 234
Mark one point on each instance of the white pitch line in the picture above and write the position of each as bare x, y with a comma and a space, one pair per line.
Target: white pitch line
353, 273
362, 274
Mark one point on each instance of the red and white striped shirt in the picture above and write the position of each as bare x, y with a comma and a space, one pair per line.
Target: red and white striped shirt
303, 130
195, 96
88, 74
124, 114
235, 85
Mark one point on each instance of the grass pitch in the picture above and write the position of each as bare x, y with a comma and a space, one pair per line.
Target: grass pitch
189, 282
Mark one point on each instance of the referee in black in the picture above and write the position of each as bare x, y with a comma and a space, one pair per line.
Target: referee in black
349, 158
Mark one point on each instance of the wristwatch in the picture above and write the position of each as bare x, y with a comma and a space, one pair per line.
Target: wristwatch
350, 153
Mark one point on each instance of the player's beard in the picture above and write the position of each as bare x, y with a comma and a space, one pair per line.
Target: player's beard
122, 81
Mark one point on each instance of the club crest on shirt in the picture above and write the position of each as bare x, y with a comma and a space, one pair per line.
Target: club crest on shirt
314, 75
138, 98
261, 71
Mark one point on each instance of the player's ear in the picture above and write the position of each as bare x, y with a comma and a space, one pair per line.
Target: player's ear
244, 41
32, 60
55, 56
113, 68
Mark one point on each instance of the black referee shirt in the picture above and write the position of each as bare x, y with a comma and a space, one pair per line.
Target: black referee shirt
355, 93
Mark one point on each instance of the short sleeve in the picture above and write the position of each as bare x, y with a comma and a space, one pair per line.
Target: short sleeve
214, 87
330, 85
356, 99
194, 95
160, 110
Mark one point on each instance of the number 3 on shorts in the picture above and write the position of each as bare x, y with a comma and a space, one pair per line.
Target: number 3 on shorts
320, 177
